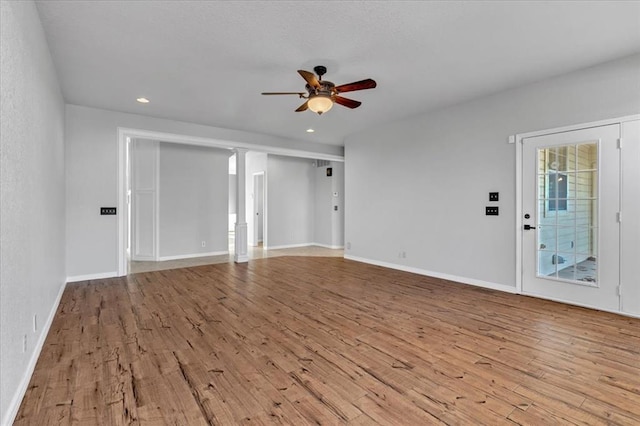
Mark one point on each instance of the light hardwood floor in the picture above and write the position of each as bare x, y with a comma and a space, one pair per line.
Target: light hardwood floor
253, 253
314, 340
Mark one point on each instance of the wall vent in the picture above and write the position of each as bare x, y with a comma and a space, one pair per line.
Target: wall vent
322, 163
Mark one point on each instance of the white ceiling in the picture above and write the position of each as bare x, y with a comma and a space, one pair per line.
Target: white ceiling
208, 61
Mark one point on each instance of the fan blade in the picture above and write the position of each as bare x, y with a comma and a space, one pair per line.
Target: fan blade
349, 103
303, 107
284, 93
310, 78
356, 85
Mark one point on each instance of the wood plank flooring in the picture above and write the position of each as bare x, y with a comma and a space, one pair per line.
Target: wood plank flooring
312, 340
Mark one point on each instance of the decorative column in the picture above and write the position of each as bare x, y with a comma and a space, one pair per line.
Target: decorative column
241, 255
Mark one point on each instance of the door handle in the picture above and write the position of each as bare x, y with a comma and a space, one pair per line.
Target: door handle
528, 227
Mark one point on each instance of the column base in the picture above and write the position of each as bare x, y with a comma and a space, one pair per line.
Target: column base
240, 254
240, 259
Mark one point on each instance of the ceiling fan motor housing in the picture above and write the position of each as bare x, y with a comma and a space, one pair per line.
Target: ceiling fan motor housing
326, 88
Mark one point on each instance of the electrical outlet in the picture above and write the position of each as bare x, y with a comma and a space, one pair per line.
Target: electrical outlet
494, 196
108, 210
348, 245
204, 244
404, 254
491, 211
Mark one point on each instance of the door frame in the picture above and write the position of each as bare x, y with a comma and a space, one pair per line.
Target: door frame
518, 140
126, 132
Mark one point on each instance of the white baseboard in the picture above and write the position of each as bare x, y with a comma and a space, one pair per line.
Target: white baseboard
14, 406
99, 276
302, 245
328, 246
191, 256
288, 246
458, 279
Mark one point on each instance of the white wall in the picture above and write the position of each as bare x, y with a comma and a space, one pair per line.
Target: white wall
329, 223
421, 185
32, 209
337, 217
322, 224
255, 162
92, 177
194, 197
290, 201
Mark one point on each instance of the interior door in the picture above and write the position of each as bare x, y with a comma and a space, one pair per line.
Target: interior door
571, 205
144, 189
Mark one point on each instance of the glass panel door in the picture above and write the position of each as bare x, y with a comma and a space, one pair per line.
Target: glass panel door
570, 202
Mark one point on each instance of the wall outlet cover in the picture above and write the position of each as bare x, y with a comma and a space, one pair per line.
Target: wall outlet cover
491, 211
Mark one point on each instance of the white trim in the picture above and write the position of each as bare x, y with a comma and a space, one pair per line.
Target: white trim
121, 247
88, 277
14, 405
580, 126
582, 305
328, 246
519, 213
454, 278
156, 207
124, 132
226, 144
287, 246
193, 255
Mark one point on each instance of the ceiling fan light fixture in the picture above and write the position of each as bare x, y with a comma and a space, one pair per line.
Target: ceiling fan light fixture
320, 103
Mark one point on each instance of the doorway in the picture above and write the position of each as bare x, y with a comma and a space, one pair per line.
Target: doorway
258, 209
571, 211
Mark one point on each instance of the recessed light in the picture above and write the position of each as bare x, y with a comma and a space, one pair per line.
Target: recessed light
310, 130
143, 100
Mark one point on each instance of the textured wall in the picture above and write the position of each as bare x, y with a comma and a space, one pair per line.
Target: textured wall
329, 223
290, 201
32, 207
256, 162
421, 185
194, 198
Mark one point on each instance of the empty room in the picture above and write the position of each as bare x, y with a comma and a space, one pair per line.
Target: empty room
327, 212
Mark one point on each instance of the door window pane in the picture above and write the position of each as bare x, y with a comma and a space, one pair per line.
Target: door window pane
567, 214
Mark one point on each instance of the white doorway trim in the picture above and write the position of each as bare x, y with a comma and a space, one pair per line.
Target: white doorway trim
124, 133
519, 190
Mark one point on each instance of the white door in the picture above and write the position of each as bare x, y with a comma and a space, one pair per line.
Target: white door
571, 203
144, 189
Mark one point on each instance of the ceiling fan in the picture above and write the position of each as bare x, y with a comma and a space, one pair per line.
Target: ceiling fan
321, 94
